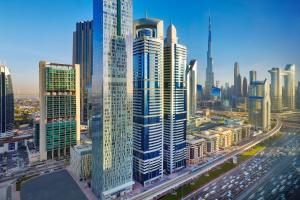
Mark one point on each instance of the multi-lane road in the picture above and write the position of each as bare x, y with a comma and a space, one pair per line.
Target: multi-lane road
185, 178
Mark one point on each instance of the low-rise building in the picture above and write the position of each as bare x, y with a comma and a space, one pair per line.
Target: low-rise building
212, 140
225, 137
81, 161
196, 148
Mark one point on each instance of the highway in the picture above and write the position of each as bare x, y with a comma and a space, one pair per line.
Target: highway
167, 187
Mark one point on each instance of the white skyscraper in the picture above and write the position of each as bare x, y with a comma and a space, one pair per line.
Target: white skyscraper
175, 62
191, 82
111, 98
289, 86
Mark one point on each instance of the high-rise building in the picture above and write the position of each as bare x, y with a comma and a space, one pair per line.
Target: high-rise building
259, 106
111, 118
60, 110
245, 87
191, 82
6, 102
298, 96
237, 80
175, 61
252, 76
148, 48
276, 89
83, 55
209, 83
289, 86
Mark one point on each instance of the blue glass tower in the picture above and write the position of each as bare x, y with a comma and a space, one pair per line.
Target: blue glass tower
148, 100
111, 118
6, 101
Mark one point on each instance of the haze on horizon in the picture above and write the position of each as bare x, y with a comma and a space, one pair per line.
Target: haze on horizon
259, 34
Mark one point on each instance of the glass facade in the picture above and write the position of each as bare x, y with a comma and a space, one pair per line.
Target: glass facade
111, 98
175, 62
148, 100
6, 101
83, 55
59, 98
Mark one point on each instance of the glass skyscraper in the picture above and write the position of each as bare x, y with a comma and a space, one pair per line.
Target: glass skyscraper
191, 83
175, 62
111, 118
83, 55
6, 101
60, 111
148, 100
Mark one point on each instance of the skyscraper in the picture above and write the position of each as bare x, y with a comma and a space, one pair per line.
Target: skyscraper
289, 86
112, 94
245, 87
60, 110
259, 106
175, 61
6, 101
83, 55
191, 82
276, 89
237, 80
252, 76
298, 96
148, 63
209, 83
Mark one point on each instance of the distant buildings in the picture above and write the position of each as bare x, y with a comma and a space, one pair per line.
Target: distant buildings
148, 64
298, 96
191, 84
245, 87
283, 95
111, 118
237, 81
175, 62
6, 102
252, 76
259, 105
83, 55
209, 83
81, 161
60, 111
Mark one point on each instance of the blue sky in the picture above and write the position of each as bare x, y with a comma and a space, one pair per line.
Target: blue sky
259, 34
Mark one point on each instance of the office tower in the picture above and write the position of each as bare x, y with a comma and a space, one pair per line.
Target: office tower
237, 80
245, 87
209, 83
191, 82
289, 86
298, 96
252, 76
6, 101
259, 106
59, 108
276, 89
148, 50
112, 95
175, 61
83, 55
199, 96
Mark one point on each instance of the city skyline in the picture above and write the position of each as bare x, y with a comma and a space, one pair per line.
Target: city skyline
250, 44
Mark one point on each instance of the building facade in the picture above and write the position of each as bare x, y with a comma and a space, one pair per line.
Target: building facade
245, 87
196, 149
111, 120
175, 61
6, 102
259, 105
289, 86
148, 50
81, 161
252, 76
83, 55
191, 83
237, 80
276, 89
298, 96
59, 94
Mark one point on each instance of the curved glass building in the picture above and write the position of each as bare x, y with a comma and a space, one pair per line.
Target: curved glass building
6, 101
